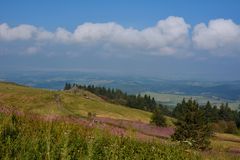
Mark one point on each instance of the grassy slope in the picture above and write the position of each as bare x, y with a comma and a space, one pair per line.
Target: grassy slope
27, 137
65, 103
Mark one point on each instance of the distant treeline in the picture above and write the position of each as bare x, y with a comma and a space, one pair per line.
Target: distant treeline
223, 118
119, 97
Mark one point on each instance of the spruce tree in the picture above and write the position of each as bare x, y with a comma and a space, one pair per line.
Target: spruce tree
192, 126
67, 86
158, 118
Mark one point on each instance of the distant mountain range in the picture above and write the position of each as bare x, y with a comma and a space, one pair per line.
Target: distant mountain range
229, 90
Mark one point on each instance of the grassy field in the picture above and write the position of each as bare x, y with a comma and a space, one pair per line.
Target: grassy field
31, 137
65, 103
28, 137
172, 99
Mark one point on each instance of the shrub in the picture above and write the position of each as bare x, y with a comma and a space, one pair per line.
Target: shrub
231, 127
158, 118
91, 115
219, 126
225, 127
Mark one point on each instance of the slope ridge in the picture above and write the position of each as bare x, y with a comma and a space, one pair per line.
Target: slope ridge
43, 101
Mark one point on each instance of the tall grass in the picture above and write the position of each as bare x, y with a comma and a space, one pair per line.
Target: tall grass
26, 137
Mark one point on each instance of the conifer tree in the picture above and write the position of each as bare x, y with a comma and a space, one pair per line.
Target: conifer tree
192, 126
158, 118
67, 86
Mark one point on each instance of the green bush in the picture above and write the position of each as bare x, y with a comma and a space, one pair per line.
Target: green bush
158, 118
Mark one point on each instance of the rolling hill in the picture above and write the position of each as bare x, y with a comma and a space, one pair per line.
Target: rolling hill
116, 119
78, 103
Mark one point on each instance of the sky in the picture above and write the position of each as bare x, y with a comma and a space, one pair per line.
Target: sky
177, 39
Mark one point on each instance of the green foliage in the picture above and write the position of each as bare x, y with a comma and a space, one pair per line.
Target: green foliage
180, 109
211, 113
158, 118
237, 119
31, 138
67, 86
192, 126
225, 113
217, 116
165, 110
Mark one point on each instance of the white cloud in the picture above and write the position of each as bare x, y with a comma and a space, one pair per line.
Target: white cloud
219, 37
170, 36
165, 38
63, 35
21, 32
42, 35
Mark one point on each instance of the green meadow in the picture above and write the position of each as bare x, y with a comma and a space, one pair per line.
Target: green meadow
26, 136
43, 101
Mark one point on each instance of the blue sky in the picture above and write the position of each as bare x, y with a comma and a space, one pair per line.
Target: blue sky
135, 13
182, 39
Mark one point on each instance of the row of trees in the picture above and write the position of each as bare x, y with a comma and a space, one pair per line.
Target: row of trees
196, 123
119, 97
223, 118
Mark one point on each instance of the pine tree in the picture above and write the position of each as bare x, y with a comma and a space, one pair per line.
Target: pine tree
208, 112
67, 86
179, 109
225, 113
192, 126
158, 118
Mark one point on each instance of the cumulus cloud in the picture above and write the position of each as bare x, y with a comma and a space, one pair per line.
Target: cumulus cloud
170, 36
167, 37
218, 37
21, 32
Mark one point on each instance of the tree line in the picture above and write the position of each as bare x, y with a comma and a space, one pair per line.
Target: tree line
117, 96
196, 123
222, 118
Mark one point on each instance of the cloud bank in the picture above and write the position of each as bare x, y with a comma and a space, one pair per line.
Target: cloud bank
218, 37
169, 37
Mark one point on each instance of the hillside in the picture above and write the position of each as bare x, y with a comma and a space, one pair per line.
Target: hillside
74, 103
68, 107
